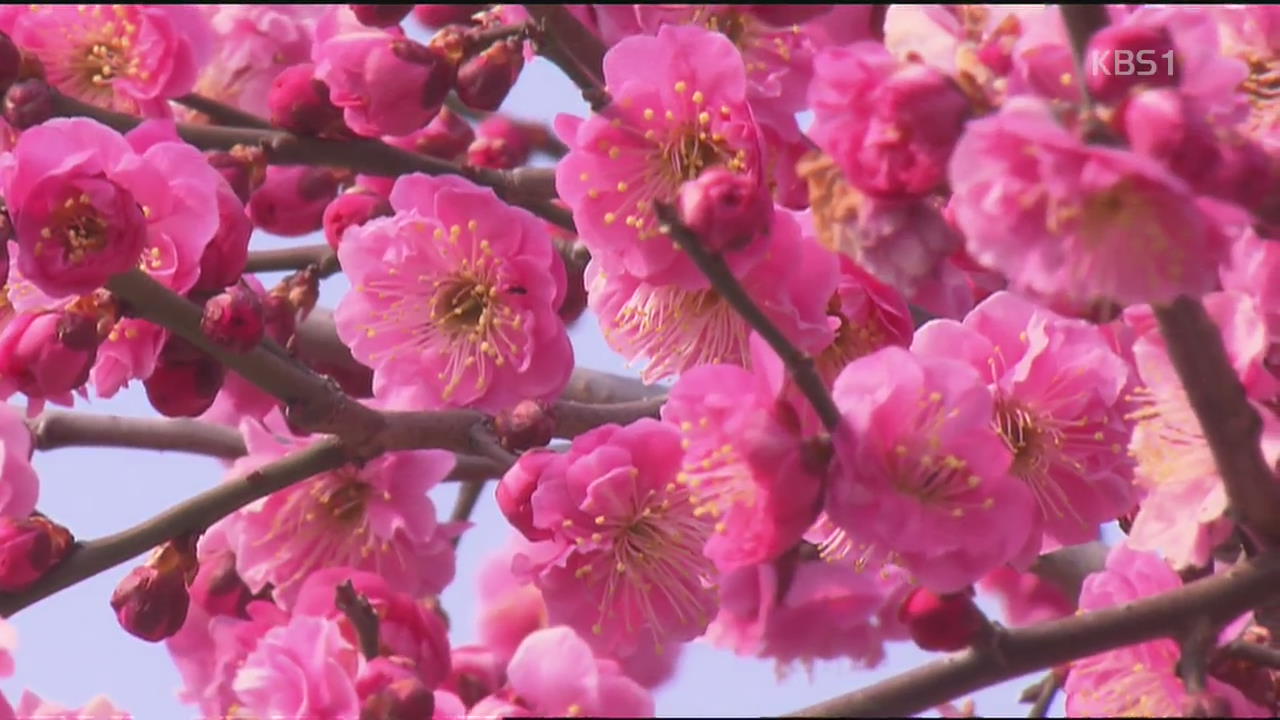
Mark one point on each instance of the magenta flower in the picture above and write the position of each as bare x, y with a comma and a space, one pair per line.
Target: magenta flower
746, 462
453, 300
19, 485
925, 479
890, 127
1137, 680
131, 58
1062, 218
1059, 408
677, 329
679, 107
554, 673
1027, 598
253, 44
869, 315
376, 518
630, 568
303, 669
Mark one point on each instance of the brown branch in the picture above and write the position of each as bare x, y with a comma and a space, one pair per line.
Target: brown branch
526, 187
362, 616
59, 429
294, 258
799, 365
575, 418
189, 516
1263, 655
1048, 690
1220, 598
222, 113
595, 386
564, 40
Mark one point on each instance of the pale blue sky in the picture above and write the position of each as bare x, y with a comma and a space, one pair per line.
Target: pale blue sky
71, 648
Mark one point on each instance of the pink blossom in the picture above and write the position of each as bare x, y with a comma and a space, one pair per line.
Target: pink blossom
1027, 598
1059, 409
304, 668
19, 485
31, 705
453, 299
903, 242
131, 58
554, 673
869, 315
385, 83
209, 651
677, 329
679, 107
510, 609
129, 351
1136, 680
44, 356
1254, 269
925, 480
746, 464
629, 567
291, 200
1063, 218
376, 518
891, 128
253, 44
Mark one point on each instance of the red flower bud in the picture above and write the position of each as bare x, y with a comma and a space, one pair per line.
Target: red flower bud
299, 102
942, 622
437, 16
234, 319
485, 80
352, 208
10, 62
30, 548
447, 137
218, 588
381, 15
28, 103
292, 200
441, 71
530, 424
185, 381
500, 144
244, 169
725, 209
151, 602
224, 258
48, 353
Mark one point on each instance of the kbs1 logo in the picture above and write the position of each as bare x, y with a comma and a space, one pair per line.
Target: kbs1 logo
1129, 63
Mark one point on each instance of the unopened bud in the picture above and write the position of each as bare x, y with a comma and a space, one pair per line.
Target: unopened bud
244, 168
447, 137
500, 144
299, 102
380, 16
184, 383
942, 622
30, 548
218, 589
151, 602
292, 200
234, 318
725, 209
485, 80
352, 208
530, 424
28, 103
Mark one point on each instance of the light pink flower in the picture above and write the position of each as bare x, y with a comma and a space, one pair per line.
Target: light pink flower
925, 481
746, 463
19, 485
1254, 270
677, 329
376, 517
679, 107
131, 58
253, 44
32, 706
630, 568
1059, 409
1027, 598
510, 609
1136, 680
209, 651
890, 127
303, 669
554, 673
1063, 218
453, 299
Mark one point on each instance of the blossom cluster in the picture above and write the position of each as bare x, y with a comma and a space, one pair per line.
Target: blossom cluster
967, 236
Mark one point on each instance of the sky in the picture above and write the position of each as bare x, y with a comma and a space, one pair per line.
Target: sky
70, 647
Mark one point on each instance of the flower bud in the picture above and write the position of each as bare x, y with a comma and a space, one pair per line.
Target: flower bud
151, 602
299, 102
380, 16
218, 589
500, 144
47, 353
485, 80
234, 318
185, 381
30, 548
941, 622
725, 209
10, 62
515, 492
281, 317
530, 424
575, 268
28, 103
390, 690
292, 200
352, 208
1104, 72
244, 169
223, 260
447, 137
437, 16
434, 72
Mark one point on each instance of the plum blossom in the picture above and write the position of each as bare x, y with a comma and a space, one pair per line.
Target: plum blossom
629, 568
1136, 680
376, 517
304, 668
1059, 407
131, 58
453, 299
679, 107
19, 485
31, 705
925, 481
253, 44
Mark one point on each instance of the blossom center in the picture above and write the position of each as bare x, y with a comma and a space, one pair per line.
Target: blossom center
107, 53
78, 227
343, 501
1026, 436
462, 304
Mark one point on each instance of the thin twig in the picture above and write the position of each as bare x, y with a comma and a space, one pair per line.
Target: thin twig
798, 364
59, 429
1263, 655
1222, 598
362, 616
294, 258
1049, 688
222, 113
564, 40
575, 418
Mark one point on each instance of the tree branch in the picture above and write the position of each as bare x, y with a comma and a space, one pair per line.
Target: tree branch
525, 187
561, 38
799, 365
1220, 598
362, 616
222, 113
294, 258
1263, 655
59, 429
1048, 690
575, 418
